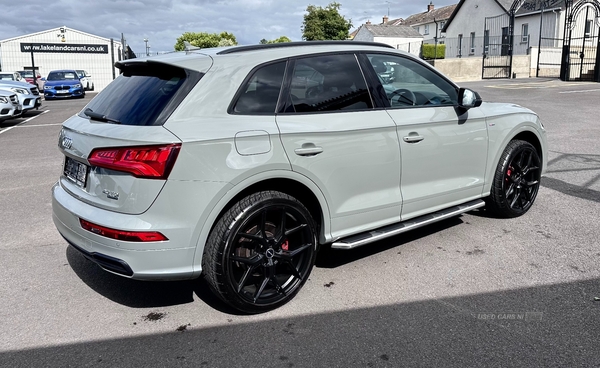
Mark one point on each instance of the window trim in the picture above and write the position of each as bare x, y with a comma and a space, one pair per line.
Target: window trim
286, 90
247, 79
379, 87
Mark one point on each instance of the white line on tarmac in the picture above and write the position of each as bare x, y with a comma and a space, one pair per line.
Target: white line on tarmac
587, 90
23, 122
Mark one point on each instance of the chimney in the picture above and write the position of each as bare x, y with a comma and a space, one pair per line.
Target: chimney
368, 22
385, 19
430, 7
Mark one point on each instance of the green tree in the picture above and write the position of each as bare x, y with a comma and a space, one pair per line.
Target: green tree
325, 23
277, 40
205, 40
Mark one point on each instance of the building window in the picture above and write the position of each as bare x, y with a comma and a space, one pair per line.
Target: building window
589, 26
472, 44
417, 28
426, 29
525, 33
486, 41
460, 38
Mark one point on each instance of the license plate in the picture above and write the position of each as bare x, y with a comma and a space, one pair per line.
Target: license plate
63, 91
76, 172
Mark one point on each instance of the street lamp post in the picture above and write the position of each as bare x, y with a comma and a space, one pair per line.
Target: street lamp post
147, 47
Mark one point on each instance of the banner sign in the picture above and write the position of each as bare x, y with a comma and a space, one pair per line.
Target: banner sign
64, 48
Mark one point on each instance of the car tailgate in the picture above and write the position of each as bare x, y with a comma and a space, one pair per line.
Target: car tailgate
106, 188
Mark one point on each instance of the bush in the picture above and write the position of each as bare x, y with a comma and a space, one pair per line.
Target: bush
429, 52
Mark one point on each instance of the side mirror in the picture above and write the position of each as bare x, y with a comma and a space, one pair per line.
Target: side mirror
468, 99
42, 78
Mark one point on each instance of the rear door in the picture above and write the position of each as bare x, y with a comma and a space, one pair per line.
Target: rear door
333, 135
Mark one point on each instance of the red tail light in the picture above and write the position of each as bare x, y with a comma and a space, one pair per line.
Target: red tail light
151, 162
132, 236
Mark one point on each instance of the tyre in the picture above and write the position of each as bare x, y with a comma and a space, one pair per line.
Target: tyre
516, 181
260, 252
91, 89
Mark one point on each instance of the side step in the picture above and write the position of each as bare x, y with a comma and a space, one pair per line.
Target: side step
401, 227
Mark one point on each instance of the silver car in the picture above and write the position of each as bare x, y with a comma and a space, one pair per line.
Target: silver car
9, 106
28, 94
239, 163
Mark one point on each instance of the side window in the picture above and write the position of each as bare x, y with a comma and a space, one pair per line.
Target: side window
407, 83
261, 93
328, 83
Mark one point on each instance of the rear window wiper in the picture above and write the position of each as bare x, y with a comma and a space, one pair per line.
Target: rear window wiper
100, 117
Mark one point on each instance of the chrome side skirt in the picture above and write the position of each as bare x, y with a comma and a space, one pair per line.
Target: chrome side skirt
401, 227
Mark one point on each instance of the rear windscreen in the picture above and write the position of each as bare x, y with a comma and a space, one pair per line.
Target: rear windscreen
144, 94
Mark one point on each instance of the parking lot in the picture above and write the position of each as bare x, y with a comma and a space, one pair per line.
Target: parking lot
468, 291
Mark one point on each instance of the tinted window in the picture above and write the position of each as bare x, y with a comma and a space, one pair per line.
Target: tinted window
144, 95
328, 83
261, 92
408, 83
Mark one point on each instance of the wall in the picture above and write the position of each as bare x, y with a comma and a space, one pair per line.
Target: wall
469, 69
99, 65
410, 45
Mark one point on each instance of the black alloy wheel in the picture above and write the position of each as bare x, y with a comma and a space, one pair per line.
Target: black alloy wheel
517, 180
261, 252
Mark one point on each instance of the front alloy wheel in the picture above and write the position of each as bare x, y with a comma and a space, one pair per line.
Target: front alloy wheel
517, 180
261, 252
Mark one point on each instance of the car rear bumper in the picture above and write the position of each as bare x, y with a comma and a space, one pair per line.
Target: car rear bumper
137, 260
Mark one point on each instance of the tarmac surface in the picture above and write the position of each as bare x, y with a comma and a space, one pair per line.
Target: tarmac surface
469, 291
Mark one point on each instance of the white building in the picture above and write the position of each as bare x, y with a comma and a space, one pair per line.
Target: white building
400, 37
431, 22
63, 48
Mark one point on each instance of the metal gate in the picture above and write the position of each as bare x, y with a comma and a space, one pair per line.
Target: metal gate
580, 58
550, 45
497, 47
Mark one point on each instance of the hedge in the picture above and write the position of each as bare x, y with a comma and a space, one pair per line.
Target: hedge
429, 52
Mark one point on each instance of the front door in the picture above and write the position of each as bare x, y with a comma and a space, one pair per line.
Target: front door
443, 151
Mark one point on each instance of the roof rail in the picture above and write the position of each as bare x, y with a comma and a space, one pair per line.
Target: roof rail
236, 49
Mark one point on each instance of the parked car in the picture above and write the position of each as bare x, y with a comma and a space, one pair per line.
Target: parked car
11, 76
28, 94
9, 106
28, 75
62, 84
220, 163
86, 80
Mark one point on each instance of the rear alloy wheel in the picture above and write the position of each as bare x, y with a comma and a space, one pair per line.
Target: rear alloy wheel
517, 180
261, 252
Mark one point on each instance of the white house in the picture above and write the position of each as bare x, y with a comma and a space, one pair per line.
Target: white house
63, 48
400, 37
431, 22
479, 28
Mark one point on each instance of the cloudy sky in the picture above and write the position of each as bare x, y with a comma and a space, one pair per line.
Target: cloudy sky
162, 21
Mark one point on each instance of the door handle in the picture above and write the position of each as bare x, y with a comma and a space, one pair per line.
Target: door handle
413, 138
308, 149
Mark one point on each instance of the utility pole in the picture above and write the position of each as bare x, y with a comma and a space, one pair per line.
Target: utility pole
147, 47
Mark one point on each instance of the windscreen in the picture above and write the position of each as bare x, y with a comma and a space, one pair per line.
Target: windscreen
144, 94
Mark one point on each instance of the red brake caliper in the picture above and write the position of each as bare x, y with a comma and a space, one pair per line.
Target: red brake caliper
285, 246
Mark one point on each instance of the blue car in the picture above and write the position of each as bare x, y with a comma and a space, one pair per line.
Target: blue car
62, 84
